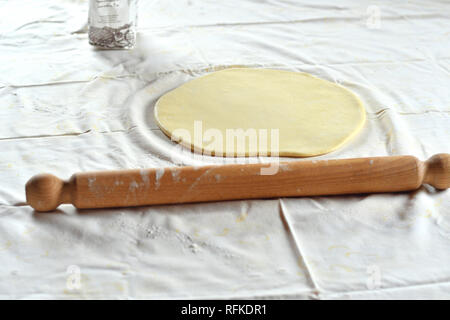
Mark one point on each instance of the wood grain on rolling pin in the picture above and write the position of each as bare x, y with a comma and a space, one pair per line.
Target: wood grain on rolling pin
238, 181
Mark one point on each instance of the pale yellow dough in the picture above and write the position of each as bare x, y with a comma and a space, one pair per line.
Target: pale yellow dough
313, 116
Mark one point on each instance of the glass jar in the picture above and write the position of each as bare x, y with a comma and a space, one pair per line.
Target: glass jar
112, 23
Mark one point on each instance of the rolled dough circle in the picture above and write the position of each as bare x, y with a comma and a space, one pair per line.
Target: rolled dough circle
312, 116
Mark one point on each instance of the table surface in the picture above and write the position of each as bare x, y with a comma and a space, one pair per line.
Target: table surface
66, 108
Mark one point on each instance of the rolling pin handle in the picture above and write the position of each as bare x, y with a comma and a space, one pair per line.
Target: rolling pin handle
45, 192
437, 171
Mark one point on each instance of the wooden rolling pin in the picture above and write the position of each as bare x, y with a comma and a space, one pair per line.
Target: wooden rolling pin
124, 188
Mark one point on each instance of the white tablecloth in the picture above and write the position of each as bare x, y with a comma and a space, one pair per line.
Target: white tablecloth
66, 108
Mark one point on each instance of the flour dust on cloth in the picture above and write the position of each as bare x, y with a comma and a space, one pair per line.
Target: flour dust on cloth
272, 112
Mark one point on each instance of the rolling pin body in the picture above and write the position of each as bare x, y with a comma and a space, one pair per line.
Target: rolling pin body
237, 181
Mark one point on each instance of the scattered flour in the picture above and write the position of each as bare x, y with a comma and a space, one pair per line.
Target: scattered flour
176, 175
159, 174
91, 182
145, 178
285, 167
133, 186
